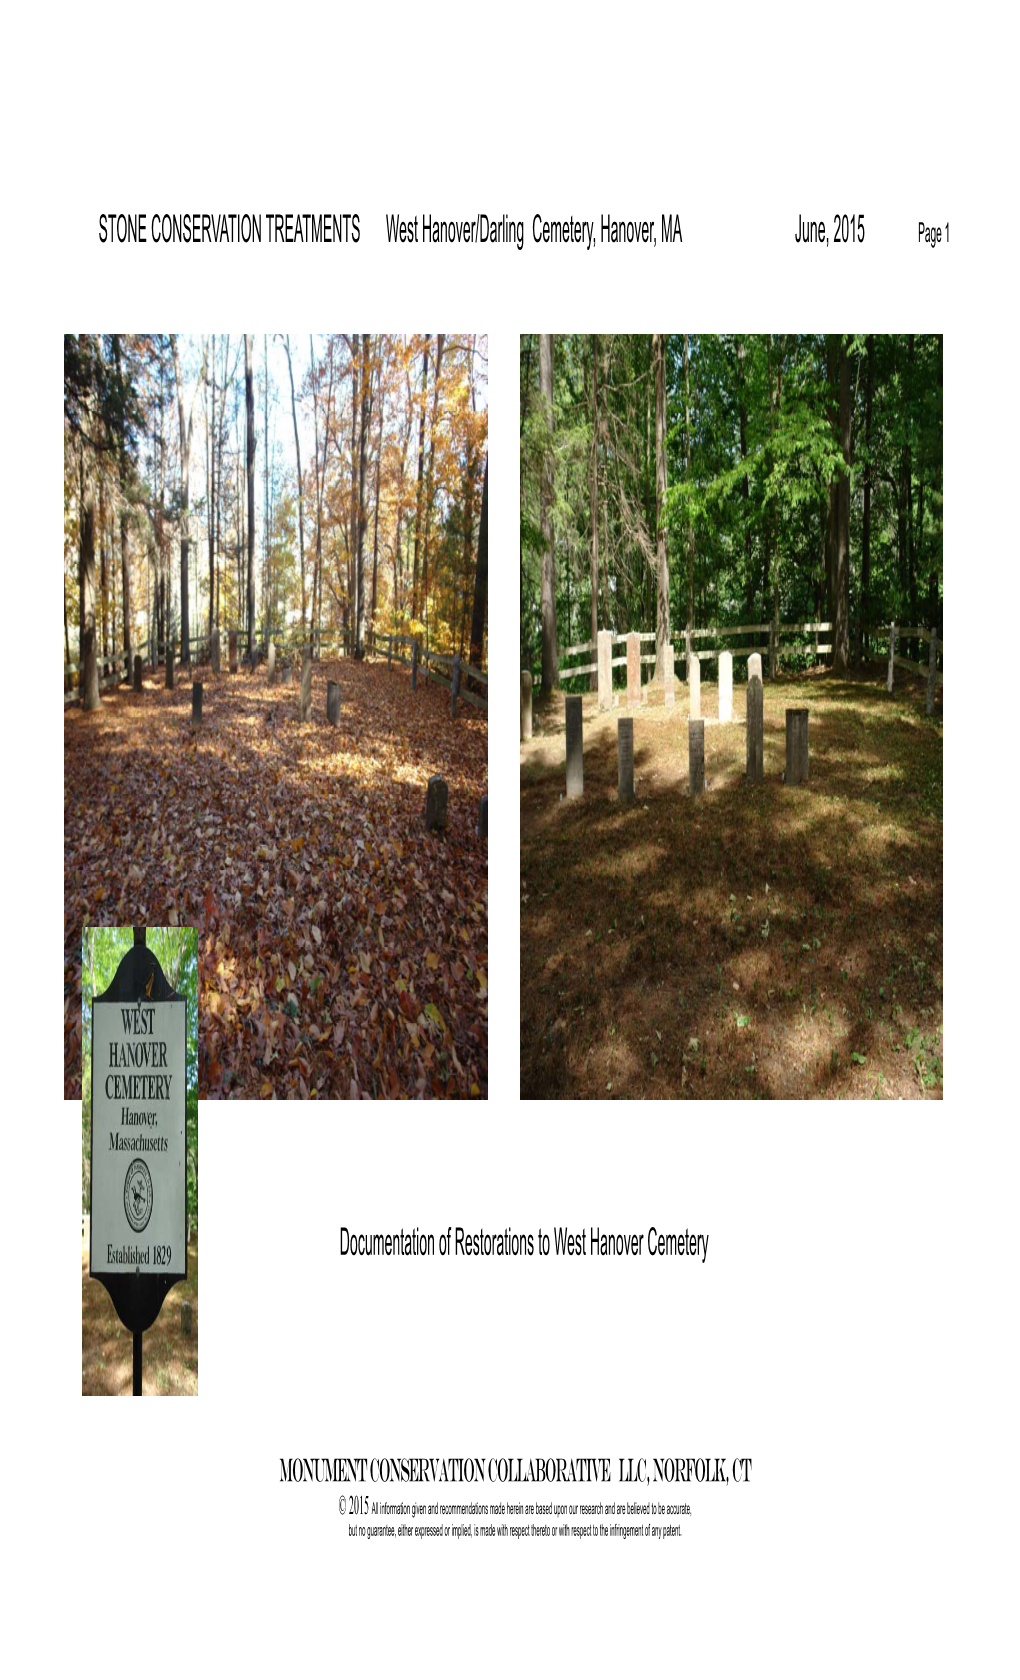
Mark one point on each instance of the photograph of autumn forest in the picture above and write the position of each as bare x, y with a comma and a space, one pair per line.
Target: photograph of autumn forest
731, 715
276, 696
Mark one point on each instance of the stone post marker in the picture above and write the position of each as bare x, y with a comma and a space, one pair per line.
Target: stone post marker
306, 688
482, 826
633, 669
796, 745
196, 702
605, 664
575, 748
286, 673
232, 650
455, 685
755, 728
933, 650
169, 662
333, 702
525, 705
694, 684
669, 678
215, 657
436, 796
271, 663
625, 758
696, 754
414, 664
754, 666
186, 1318
892, 657
726, 688
137, 679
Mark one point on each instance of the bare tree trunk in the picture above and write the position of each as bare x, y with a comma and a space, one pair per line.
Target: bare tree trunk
88, 670
866, 528
593, 497
366, 413
662, 557
841, 558
297, 451
690, 514
125, 578
375, 526
185, 475
249, 404
548, 492
421, 467
481, 577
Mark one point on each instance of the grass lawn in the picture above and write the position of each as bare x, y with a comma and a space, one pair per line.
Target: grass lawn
754, 942
169, 1358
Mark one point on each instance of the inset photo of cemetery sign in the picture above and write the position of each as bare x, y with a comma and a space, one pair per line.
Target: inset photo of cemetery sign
731, 651
276, 696
139, 1158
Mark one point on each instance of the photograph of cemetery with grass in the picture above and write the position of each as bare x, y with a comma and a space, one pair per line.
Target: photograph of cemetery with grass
276, 695
731, 716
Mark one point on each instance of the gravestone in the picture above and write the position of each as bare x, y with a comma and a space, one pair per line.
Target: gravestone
286, 673
525, 705
625, 758
455, 685
605, 669
754, 666
933, 649
575, 748
435, 804
414, 664
185, 1318
696, 754
725, 688
694, 685
333, 702
755, 728
137, 683
214, 656
669, 678
169, 664
306, 688
232, 651
796, 745
271, 663
633, 669
196, 702
482, 827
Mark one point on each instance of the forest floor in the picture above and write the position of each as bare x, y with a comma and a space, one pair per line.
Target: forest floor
169, 1357
343, 951
754, 942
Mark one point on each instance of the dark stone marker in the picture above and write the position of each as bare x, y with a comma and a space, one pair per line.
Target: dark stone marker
435, 804
137, 683
696, 754
232, 649
575, 748
169, 664
306, 688
625, 757
196, 702
482, 830
796, 745
333, 702
186, 1318
525, 705
455, 685
216, 652
414, 664
755, 729
271, 663
287, 674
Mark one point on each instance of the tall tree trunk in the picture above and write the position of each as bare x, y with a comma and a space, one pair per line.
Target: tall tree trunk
745, 487
866, 528
265, 476
841, 633
481, 577
125, 578
211, 488
88, 669
593, 497
662, 633
548, 491
366, 412
375, 517
832, 365
421, 470
297, 451
690, 510
185, 427
249, 404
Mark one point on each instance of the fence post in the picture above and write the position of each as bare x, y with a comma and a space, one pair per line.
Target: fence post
892, 656
604, 657
933, 647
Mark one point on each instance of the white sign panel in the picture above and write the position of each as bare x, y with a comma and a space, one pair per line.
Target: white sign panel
138, 1141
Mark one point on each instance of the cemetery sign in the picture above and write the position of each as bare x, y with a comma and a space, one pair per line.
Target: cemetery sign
138, 1224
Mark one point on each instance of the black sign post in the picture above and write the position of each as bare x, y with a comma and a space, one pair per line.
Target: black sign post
138, 1185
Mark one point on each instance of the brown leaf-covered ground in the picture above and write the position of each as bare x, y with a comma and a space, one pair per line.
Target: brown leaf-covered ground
344, 951
169, 1357
756, 942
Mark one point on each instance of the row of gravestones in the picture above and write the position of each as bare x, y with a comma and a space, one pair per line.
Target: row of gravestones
795, 773
635, 693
